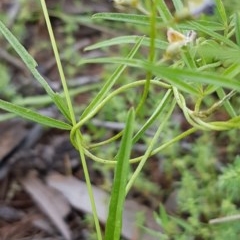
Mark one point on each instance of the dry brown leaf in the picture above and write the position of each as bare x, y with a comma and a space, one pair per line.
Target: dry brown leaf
76, 193
11, 136
50, 202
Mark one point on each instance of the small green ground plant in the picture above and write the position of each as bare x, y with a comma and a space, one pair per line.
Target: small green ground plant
198, 76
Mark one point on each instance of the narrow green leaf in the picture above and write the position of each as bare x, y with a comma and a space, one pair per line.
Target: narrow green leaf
213, 26
127, 40
188, 58
164, 11
114, 221
123, 17
31, 65
33, 116
164, 217
211, 50
182, 223
27, 58
181, 78
158, 111
178, 75
222, 12
230, 72
111, 81
237, 28
197, 26
165, 74
62, 106
178, 5
58, 101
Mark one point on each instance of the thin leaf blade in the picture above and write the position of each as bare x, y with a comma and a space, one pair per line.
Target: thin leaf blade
114, 221
33, 116
133, 39
129, 18
112, 80
181, 78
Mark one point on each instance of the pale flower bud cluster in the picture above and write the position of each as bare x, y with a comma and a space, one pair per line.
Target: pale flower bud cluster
177, 40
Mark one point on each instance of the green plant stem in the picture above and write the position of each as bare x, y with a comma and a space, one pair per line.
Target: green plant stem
112, 139
73, 119
141, 130
159, 110
104, 91
198, 104
150, 148
101, 104
229, 108
224, 219
176, 139
138, 159
89, 186
59, 64
151, 55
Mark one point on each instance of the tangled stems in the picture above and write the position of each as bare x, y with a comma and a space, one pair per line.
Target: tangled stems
106, 100
78, 136
196, 121
138, 159
150, 147
221, 126
196, 118
151, 55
